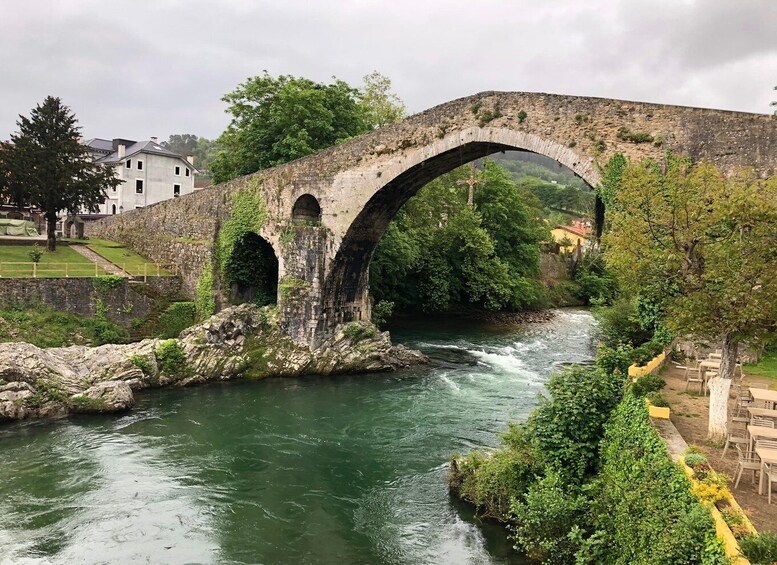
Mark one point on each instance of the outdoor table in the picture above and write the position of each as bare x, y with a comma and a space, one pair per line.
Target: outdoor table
764, 395
768, 456
703, 366
765, 412
713, 356
760, 432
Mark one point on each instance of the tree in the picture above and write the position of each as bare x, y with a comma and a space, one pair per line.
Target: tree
381, 107
708, 243
49, 167
276, 120
201, 148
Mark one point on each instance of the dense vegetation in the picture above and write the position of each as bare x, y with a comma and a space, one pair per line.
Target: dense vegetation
439, 252
588, 480
45, 327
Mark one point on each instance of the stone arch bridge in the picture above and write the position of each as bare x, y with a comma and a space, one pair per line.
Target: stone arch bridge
325, 213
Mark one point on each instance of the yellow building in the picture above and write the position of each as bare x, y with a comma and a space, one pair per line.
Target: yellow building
579, 233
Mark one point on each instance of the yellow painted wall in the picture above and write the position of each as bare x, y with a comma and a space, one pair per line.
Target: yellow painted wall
559, 234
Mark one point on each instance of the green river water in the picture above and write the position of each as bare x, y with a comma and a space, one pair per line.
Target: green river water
341, 470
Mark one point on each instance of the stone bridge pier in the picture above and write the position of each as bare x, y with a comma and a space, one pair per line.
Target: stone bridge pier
324, 214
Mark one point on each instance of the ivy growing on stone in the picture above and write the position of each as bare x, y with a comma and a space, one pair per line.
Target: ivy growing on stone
248, 214
206, 303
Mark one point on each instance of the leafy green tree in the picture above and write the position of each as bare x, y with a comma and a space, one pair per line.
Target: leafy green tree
438, 251
201, 148
51, 169
276, 120
709, 243
379, 105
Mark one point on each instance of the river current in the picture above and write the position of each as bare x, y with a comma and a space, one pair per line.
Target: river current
342, 470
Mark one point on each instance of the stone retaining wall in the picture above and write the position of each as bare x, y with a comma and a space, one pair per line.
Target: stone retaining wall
123, 303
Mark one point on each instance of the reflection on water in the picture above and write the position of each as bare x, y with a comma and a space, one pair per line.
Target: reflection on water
320, 470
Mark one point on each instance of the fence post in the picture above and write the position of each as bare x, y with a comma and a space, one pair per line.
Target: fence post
157, 269
95, 270
34, 270
66, 273
145, 272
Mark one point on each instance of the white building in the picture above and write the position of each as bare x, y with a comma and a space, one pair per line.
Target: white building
150, 173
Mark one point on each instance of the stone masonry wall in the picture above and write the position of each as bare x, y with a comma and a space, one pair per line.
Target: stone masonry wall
79, 295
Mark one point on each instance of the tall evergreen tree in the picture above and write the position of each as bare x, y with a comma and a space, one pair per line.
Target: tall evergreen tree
51, 169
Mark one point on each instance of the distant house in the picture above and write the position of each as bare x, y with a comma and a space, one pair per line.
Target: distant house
150, 173
578, 234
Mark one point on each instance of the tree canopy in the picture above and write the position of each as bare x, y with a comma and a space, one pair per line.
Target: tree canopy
378, 103
276, 120
48, 167
704, 245
438, 252
201, 148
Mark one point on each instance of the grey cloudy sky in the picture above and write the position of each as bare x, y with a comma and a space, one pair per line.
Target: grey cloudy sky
142, 68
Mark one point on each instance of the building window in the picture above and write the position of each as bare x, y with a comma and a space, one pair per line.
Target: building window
139, 186
177, 171
176, 190
140, 165
128, 163
187, 172
113, 209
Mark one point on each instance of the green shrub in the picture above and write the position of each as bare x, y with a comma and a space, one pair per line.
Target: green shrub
620, 323
357, 332
490, 481
647, 383
171, 359
381, 312
141, 363
760, 549
693, 459
643, 507
547, 521
206, 302
177, 317
105, 283
35, 253
614, 359
657, 399
568, 424
99, 331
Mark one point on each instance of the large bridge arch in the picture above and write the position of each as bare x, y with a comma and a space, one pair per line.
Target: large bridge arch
360, 184
345, 294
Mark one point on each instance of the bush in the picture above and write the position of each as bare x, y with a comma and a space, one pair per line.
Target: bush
657, 399
760, 549
643, 507
614, 359
171, 359
646, 384
491, 481
567, 426
100, 331
177, 317
381, 312
620, 323
547, 522
694, 459
35, 254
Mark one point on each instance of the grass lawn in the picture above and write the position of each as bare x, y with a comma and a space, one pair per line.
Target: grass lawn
766, 367
120, 256
63, 261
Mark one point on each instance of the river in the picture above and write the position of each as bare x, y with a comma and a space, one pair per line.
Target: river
318, 470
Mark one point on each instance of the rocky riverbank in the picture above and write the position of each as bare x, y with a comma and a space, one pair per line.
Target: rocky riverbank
239, 342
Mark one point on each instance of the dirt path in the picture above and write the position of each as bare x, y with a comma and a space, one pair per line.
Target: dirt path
690, 416
101, 261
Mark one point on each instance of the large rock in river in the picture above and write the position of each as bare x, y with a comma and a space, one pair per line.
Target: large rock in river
238, 342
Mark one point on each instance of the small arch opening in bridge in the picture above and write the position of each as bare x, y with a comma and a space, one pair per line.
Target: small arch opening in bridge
252, 270
306, 211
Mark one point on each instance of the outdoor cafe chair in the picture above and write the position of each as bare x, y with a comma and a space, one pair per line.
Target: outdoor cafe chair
770, 473
746, 461
692, 375
762, 421
737, 435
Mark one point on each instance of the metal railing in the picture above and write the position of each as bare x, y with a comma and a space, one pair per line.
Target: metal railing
9, 269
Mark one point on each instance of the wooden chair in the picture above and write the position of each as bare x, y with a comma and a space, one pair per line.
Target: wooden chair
746, 461
762, 421
692, 375
737, 435
742, 401
770, 472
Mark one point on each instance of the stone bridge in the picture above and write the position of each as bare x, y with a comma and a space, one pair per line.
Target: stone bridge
325, 213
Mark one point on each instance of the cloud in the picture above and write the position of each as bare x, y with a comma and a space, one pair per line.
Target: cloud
160, 67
